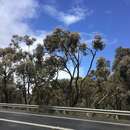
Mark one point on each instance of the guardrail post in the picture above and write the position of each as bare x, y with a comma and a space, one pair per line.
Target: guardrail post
88, 114
117, 117
64, 112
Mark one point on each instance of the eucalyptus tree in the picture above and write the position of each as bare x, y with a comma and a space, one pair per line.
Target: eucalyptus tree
7, 59
24, 65
44, 73
121, 70
67, 47
102, 74
97, 45
94, 92
122, 64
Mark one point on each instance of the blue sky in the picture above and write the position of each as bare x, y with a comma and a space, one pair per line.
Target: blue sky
111, 18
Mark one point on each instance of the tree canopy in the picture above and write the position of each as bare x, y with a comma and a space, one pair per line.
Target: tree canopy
33, 76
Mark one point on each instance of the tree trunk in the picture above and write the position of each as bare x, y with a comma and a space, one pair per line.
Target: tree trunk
76, 98
69, 93
5, 90
24, 91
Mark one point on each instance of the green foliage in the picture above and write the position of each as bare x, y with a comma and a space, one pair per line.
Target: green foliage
98, 44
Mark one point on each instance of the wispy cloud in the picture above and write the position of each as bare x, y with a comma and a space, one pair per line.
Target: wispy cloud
108, 12
126, 2
65, 75
13, 16
88, 37
72, 16
39, 35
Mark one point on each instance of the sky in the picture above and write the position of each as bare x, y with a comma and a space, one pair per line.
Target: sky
110, 18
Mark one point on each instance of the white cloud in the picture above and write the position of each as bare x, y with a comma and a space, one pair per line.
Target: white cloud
111, 41
74, 15
63, 75
39, 35
88, 37
13, 16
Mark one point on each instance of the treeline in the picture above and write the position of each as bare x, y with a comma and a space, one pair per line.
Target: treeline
32, 76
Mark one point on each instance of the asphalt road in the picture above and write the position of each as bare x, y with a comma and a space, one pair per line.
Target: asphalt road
27, 121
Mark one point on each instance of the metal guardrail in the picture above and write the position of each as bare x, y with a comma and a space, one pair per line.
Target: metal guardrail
90, 110
18, 105
69, 109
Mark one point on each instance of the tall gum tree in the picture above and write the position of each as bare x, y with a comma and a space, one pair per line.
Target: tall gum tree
7, 58
66, 46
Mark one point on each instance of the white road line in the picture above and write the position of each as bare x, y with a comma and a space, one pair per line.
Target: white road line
34, 124
69, 118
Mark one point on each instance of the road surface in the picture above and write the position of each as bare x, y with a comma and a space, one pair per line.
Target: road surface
26, 121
